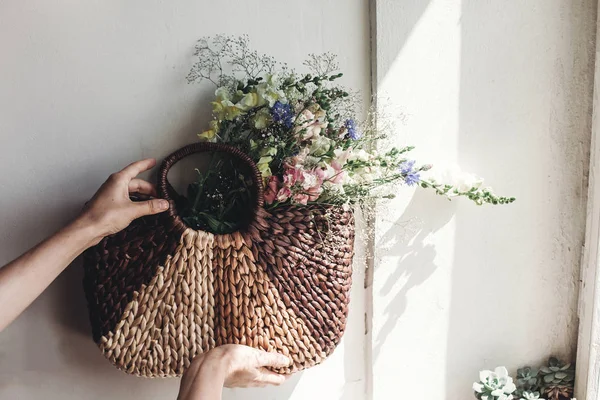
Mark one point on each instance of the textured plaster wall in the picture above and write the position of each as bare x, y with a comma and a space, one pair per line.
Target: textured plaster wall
87, 87
504, 88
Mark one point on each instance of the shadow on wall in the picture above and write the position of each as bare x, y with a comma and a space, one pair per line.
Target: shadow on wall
407, 240
525, 109
411, 11
416, 258
526, 74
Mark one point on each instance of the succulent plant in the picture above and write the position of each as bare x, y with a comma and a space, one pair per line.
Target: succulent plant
527, 381
527, 395
494, 385
557, 379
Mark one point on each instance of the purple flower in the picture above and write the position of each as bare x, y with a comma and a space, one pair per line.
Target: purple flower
406, 167
411, 176
353, 133
282, 114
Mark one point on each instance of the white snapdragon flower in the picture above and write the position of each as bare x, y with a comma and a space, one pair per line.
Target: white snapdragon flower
334, 188
460, 180
262, 119
366, 174
468, 181
341, 156
310, 161
320, 145
223, 108
310, 180
268, 91
223, 94
248, 101
360, 155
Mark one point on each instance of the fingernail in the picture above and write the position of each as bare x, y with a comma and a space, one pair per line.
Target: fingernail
163, 204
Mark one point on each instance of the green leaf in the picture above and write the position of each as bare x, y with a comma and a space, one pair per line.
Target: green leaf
560, 375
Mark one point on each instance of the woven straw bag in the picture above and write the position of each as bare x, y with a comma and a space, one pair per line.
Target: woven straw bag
159, 293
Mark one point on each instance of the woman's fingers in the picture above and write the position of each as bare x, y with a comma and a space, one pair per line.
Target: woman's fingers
274, 360
136, 168
266, 377
141, 186
155, 206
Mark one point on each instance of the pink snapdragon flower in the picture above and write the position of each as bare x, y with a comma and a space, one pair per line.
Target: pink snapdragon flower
302, 185
284, 194
339, 174
298, 159
310, 124
311, 179
323, 173
314, 192
271, 190
312, 183
331, 173
301, 198
293, 175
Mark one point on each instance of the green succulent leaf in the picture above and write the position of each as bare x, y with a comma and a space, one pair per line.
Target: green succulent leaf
560, 375
554, 362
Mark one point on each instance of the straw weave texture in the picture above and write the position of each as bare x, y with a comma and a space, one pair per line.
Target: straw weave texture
160, 293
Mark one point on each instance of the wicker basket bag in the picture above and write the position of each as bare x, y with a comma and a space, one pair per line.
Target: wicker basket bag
159, 292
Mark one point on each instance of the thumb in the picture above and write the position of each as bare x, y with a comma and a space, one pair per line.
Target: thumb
150, 207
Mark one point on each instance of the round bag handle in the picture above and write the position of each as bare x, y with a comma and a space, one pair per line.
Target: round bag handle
166, 191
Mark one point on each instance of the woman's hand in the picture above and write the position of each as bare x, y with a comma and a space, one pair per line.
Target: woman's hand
230, 366
111, 210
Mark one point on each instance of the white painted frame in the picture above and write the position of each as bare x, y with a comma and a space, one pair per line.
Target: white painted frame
587, 379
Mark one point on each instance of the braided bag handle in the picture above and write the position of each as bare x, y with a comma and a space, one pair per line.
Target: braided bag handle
166, 191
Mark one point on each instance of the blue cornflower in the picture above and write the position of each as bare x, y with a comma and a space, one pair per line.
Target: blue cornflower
282, 114
411, 176
406, 167
353, 133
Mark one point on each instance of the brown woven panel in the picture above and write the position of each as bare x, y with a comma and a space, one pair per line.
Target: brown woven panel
121, 264
161, 293
307, 253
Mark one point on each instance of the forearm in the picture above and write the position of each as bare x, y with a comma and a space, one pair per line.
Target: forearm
25, 278
207, 383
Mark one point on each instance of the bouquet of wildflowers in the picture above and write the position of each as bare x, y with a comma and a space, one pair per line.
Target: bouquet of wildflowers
302, 131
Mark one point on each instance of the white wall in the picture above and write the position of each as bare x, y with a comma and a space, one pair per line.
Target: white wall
87, 87
504, 88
